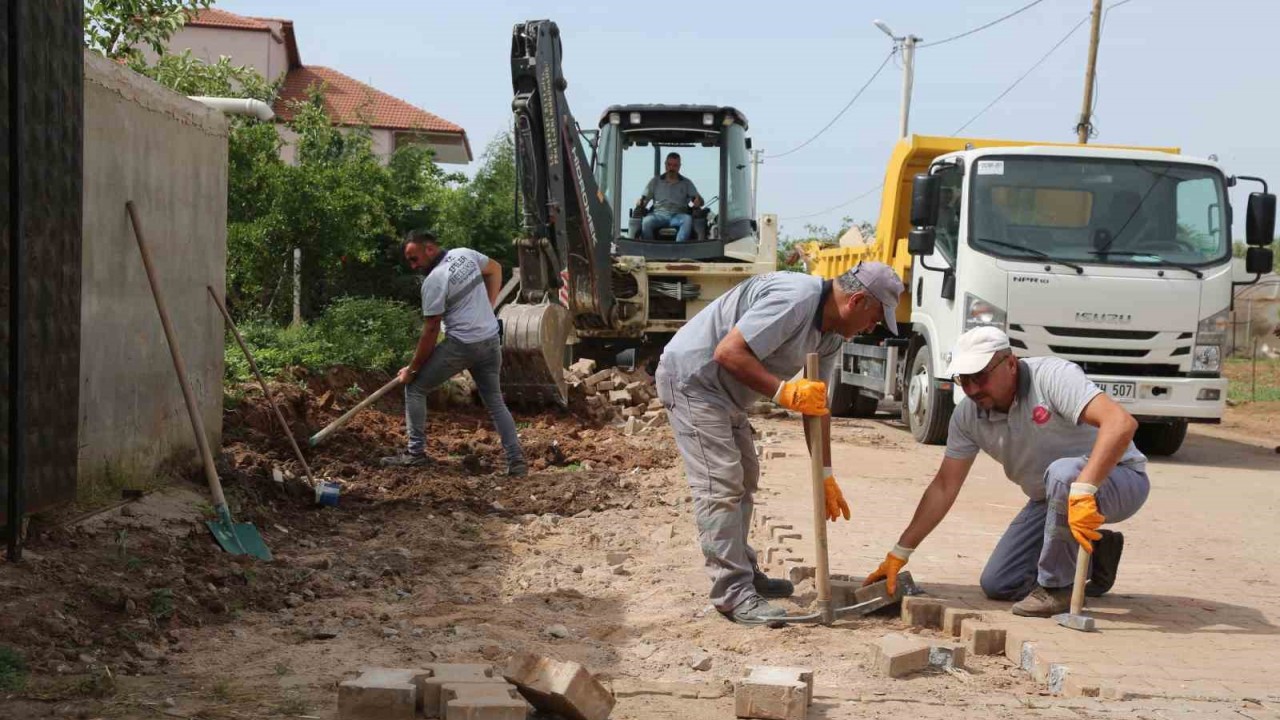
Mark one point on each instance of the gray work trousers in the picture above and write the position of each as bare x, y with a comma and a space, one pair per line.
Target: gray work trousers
484, 360
1038, 546
723, 472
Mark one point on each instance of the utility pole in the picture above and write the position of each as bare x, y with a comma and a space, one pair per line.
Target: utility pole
1084, 126
908, 45
755, 179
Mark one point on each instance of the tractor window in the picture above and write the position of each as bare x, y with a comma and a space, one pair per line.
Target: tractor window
638, 167
738, 176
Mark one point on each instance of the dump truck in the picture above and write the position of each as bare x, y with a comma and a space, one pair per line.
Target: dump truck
589, 283
1116, 258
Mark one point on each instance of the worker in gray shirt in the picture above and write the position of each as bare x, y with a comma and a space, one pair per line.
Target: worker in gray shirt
747, 344
1065, 443
458, 292
672, 195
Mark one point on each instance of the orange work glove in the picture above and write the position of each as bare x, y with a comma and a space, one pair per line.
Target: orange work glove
889, 569
808, 397
836, 506
1083, 515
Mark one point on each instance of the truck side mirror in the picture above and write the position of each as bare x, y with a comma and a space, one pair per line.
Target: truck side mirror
920, 241
924, 200
1259, 260
1260, 220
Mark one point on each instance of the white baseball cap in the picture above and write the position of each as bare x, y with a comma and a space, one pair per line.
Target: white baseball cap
975, 349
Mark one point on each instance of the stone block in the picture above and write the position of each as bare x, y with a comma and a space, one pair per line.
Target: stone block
583, 366
380, 694
879, 593
774, 454
483, 701
600, 376
655, 404
562, 688
896, 655
799, 573
440, 674
953, 616
777, 529
785, 536
632, 412
774, 693
922, 612
982, 638
842, 592
1018, 646
619, 397
1080, 685
947, 655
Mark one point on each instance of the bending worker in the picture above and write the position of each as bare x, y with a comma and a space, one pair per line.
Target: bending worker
459, 289
1065, 443
744, 346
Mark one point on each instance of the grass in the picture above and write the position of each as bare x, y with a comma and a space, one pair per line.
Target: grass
13, 670
293, 703
102, 488
1240, 372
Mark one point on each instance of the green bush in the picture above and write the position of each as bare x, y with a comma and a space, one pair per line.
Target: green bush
13, 670
364, 333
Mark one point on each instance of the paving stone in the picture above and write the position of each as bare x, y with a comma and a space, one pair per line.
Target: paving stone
441, 674
563, 688
947, 654
380, 694
482, 701
799, 573
774, 693
879, 591
896, 655
922, 612
982, 638
953, 616
1019, 646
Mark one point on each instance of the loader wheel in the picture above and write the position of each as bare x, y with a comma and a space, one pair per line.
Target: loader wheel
926, 409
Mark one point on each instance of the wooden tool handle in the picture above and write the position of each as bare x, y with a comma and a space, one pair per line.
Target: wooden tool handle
822, 571
328, 429
189, 397
1082, 574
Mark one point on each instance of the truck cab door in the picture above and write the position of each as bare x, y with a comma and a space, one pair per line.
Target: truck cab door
932, 310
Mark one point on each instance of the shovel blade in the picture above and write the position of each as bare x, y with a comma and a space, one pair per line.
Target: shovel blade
239, 538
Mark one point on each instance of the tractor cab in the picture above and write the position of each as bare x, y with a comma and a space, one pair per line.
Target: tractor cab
632, 148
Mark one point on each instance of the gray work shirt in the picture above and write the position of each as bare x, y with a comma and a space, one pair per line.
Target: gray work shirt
670, 198
778, 314
455, 289
1042, 426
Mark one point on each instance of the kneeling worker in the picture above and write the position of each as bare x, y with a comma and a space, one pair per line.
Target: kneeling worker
744, 346
1065, 443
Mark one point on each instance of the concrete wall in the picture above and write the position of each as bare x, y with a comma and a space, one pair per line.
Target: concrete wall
168, 154
263, 51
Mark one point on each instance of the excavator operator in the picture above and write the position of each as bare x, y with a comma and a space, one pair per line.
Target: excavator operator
672, 194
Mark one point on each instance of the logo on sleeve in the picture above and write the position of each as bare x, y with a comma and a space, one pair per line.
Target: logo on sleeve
1040, 415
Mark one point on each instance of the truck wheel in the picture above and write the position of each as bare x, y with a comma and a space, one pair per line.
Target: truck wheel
845, 400
1160, 439
925, 408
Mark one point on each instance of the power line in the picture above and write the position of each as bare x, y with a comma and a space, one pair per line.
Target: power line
842, 111
833, 207
1023, 76
980, 28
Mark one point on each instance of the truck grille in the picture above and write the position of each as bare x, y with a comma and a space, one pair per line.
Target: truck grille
1103, 334
1102, 352
1108, 351
1134, 369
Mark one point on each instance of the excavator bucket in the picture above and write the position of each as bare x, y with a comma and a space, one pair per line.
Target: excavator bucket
533, 352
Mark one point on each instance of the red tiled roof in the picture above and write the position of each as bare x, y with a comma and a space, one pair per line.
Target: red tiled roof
351, 102
224, 19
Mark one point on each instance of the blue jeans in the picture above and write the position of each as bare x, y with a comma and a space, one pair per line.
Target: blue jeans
484, 360
1038, 546
653, 222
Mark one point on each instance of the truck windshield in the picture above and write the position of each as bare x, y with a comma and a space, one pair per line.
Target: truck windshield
1123, 212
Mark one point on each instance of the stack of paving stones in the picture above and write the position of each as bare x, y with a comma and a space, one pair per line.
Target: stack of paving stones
774, 693
612, 394
475, 692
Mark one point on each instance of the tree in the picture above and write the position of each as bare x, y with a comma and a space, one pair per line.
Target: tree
116, 28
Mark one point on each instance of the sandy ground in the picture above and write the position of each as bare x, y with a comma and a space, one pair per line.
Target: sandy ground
134, 614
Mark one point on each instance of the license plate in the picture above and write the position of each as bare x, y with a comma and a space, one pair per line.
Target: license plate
1120, 391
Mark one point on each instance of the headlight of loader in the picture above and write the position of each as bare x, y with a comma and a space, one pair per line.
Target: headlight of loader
979, 312
1211, 335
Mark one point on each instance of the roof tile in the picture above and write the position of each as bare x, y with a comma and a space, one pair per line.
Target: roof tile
351, 102
223, 19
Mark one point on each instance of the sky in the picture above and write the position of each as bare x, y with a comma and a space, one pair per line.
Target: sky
1199, 76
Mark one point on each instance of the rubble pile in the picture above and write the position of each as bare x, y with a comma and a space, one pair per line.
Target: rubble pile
612, 395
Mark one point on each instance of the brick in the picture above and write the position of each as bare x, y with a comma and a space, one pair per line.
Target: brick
1080, 685
600, 376
842, 592
485, 701
380, 694
562, 688
947, 654
441, 674
982, 638
774, 454
777, 529
619, 397
774, 693
953, 616
632, 412
656, 404
1018, 646
583, 366
897, 655
879, 592
922, 612
799, 573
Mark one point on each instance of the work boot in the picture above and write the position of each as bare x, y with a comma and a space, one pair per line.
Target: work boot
755, 611
518, 471
1105, 562
772, 587
404, 459
1044, 602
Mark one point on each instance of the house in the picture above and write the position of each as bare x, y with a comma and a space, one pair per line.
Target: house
269, 46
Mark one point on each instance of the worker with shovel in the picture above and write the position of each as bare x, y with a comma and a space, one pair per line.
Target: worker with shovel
747, 344
459, 290
1065, 443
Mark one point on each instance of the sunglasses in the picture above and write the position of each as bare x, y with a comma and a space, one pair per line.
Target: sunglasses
982, 376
